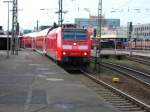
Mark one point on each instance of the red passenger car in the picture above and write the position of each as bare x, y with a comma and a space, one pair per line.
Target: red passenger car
39, 41
27, 40
71, 45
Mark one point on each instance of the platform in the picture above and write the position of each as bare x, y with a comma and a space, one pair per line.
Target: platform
31, 82
122, 52
145, 53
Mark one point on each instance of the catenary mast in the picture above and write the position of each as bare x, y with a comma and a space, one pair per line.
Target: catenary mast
15, 28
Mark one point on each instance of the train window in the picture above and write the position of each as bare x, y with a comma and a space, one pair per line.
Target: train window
75, 35
68, 35
81, 36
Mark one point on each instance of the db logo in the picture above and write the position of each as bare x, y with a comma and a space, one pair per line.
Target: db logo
74, 47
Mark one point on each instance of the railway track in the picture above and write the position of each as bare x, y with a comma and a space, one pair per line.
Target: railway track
136, 75
117, 98
139, 60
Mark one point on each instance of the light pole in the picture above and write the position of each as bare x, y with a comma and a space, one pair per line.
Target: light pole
8, 29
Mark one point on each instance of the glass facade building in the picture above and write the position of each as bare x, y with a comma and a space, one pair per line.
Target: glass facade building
85, 22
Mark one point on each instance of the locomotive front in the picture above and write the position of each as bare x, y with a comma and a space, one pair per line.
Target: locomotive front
75, 46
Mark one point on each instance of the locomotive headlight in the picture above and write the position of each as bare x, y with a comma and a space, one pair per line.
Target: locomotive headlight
84, 53
64, 53
74, 43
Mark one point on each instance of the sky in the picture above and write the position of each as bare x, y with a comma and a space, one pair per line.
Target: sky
137, 11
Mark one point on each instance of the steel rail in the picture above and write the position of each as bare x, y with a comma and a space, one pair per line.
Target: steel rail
133, 101
139, 60
137, 75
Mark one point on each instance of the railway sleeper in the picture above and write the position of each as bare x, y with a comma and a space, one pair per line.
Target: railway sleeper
107, 95
96, 89
99, 88
111, 95
126, 106
91, 86
122, 104
138, 111
105, 92
116, 98
131, 109
118, 101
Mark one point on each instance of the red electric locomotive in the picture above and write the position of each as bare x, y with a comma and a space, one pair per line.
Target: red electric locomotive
69, 44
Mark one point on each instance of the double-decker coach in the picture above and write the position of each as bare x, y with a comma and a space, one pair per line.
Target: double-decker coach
39, 41
71, 45
27, 40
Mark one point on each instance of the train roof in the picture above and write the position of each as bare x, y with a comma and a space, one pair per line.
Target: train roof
43, 32
37, 34
74, 29
28, 35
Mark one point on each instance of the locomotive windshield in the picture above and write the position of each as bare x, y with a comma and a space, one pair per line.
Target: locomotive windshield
75, 35
68, 35
81, 36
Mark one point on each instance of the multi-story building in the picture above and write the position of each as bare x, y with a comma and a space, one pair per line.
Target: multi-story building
141, 31
140, 36
92, 21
